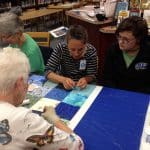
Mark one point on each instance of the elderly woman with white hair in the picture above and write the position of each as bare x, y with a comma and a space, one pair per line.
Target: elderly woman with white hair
20, 128
11, 32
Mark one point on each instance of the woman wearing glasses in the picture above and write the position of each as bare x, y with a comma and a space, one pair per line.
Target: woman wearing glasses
127, 64
11, 32
75, 58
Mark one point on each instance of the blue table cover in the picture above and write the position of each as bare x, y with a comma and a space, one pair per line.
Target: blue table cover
114, 121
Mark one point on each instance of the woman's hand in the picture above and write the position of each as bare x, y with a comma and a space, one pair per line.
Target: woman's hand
50, 115
82, 83
69, 83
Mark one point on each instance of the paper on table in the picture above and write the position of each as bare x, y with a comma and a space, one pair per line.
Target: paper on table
85, 16
84, 12
39, 106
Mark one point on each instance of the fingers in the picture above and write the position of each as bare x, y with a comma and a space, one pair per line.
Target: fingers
82, 86
82, 83
45, 109
50, 114
69, 84
48, 110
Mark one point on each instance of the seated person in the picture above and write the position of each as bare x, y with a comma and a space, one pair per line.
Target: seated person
127, 64
11, 32
73, 63
20, 128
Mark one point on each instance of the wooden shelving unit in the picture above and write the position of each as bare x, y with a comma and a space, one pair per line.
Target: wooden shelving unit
27, 4
6, 5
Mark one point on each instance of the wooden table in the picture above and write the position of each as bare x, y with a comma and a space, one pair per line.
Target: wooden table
66, 7
111, 30
41, 13
108, 29
79, 16
38, 13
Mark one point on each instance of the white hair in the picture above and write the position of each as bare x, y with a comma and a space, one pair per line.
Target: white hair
13, 64
10, 23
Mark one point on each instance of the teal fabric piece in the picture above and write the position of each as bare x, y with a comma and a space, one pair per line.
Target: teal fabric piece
77, 97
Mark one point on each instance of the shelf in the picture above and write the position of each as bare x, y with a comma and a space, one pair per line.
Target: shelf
5, 5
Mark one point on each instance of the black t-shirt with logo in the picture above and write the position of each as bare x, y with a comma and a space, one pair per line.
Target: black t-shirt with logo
136, 77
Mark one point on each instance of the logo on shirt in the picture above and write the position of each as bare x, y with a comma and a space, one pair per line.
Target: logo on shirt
141, 66
41, 140
5, 138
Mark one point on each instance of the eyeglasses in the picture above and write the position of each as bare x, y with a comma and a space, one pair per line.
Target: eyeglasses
124, 39
6, 37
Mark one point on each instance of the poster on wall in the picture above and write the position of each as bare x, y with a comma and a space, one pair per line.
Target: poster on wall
119, 7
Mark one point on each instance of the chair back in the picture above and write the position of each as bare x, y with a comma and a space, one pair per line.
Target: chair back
42, 38
46, 53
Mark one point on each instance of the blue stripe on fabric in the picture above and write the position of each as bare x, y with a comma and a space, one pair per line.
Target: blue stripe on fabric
114, 121
57, 93
66, 111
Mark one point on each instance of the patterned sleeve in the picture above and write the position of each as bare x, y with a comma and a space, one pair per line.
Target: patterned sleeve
45, 136
54, 61
91, 61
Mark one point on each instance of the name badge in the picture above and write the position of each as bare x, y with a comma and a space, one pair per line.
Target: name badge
141, 66
82, 64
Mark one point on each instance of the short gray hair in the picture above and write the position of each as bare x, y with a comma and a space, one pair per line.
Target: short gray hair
10, 23
13, 64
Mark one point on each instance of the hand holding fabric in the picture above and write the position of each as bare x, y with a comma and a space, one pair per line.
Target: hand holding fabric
82, 83
50, 114
69, 83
